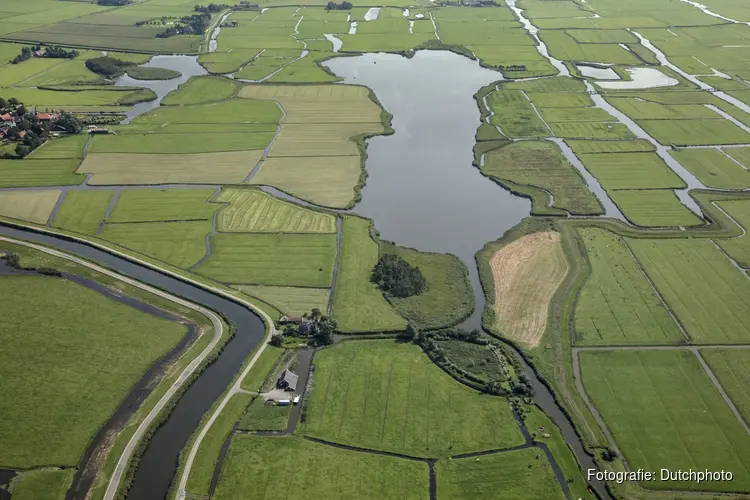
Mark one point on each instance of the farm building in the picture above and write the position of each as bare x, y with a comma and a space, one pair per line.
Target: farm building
291, 319
287, 381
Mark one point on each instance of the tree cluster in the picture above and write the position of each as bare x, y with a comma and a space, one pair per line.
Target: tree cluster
114, 3
195, 24
339, 6
316, 327
52, 52
397, 278
29, 132
245, 5
211, 8
108, 66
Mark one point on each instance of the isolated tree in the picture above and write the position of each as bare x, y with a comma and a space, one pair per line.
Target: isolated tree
22, 151
277, 340
3, 103
21, 110
610, 455
13, 101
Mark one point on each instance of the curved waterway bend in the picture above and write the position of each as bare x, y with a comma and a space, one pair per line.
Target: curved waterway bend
159, 463
422, 190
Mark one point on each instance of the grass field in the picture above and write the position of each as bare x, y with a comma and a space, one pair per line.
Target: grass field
272, 259
448, 298
541, 164
695, 132
667, 396
713, 168
358, 305
292, 301
586, 147
64, 147
737, 248
618, 306
710, 297
32, 206
515, 115
526, 275
76, 354
261, 370
83, 211
654, 208
51, 484
323, 139
30, 172
181, 244
631, 171
204, 168
731, 368
154, 205
255, 211
225, 111
254, 469
200, 90
328, 181
521, 474
176, 143
389, 396
147, 73
264, 417
477, 359
588, 130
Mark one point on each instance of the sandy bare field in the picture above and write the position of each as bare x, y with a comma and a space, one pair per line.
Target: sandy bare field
202, 168
527, 273
32, 206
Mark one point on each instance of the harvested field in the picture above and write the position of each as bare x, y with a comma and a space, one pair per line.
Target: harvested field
205, 168
324, 139
83, 211
617, 305
255, 211
31, 206
389, 396
527, 273
152, 205
667, 396
327, 181
292, 301
541, 164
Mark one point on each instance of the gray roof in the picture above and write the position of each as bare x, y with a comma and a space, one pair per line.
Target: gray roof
290, 379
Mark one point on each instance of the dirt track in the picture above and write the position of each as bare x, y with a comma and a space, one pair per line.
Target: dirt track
527, 273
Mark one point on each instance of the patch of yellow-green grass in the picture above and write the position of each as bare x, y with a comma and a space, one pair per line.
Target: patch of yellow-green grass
65, 147
83, 211
358, 304
153, 205
202, 168
631, 171
448, 298
738, 248
231, 139
323, 139
387, 395
202, 89
255, 211
261, 371
225, 111
255, 467
714, 168
525, 475
227, 62
32, 206
181, 244
15, 74
292, 301
49, 484
328, 181
31, 172
654, 208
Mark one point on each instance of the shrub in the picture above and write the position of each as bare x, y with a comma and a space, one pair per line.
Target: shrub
397, 278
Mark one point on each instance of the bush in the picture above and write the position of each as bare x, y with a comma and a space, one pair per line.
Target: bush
397, 278
107, 66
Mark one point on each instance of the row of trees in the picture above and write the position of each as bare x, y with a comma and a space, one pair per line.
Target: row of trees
397, 278
52, 52
339, 6
114, 3
211, 8
195, 24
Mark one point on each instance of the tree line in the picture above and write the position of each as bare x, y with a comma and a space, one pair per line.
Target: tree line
51, 52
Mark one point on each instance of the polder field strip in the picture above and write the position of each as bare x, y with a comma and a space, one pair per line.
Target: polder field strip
32, 206
714, 167
737, 248
83, 211
388, 396
152, 205
730, 368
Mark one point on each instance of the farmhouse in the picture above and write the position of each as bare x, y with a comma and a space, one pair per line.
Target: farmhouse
45, 117
287, 381
291, 319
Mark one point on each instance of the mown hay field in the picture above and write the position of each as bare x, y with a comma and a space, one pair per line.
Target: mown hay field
541, 164
617, 305
271, 259
654, 208
389, 396
30, 172
255, 466
730, 367
448, 298
200, 90
200, 168
292, 301
631, 171
65, 147
667, 396
709, 296
714, 168
327, 181
31, 206
83, 211
322, 139
153, 205
175, 143
93, 348
526, 275
181, 244
358, 304
521, 474
738, 248
255, 211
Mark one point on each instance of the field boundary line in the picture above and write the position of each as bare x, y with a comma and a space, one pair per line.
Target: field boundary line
715, 381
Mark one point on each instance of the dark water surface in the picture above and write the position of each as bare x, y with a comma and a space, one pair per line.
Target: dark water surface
422, 190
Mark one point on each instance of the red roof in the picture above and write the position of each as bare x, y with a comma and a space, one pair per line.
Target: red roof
22, 134
6, 117
45, 116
